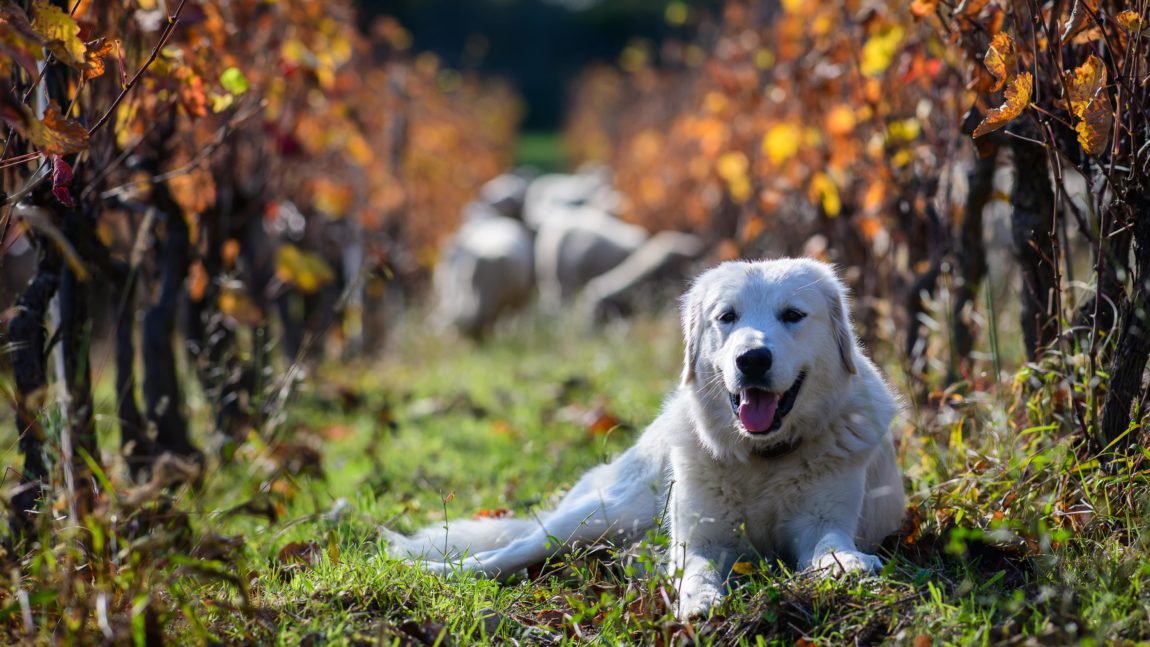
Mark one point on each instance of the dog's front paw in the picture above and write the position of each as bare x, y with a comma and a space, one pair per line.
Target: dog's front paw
844, 562
696, 603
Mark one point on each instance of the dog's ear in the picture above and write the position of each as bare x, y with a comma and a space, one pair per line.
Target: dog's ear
692, 307
841, 322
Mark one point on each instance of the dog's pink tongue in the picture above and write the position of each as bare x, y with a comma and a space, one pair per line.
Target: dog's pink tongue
757, 409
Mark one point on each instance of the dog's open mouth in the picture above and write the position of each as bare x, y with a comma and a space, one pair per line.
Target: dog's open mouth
761, 411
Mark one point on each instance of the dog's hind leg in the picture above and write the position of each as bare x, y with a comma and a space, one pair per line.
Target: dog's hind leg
603, 515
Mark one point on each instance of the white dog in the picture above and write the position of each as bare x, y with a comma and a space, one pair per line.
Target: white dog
776, 446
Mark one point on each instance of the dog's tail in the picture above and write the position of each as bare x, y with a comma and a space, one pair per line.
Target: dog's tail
457, 538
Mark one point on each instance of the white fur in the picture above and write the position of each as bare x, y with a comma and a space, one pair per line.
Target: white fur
837, 494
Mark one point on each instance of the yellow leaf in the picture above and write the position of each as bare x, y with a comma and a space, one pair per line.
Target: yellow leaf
1000, 59
1017, 98
879, 50
781, 143
1131, 21
731, 165
824, 191
61, 33
1085, 82
55, 135
743, 568
1094, 123
903, 130
793, 6
305, 270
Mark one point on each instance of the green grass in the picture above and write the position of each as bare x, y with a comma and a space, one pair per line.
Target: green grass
280, 545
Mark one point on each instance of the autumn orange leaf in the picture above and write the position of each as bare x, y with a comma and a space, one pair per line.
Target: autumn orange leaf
61, 33
56, 135
1017, 98
94, 58
1130, 21
1001, 59
1085, 82
923, 8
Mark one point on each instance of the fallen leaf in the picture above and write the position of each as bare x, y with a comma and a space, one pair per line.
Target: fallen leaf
492, 513
1017, 98
743, 568
300, 553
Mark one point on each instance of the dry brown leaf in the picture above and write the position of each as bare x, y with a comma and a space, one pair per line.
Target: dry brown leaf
1094, 123
1001, 59
299, 552
1131, 21
1080, 17
1017, 98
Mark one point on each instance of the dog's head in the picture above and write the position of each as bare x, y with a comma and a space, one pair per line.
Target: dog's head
766, 342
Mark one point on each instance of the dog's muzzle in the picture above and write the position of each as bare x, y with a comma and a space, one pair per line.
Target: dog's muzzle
761, 411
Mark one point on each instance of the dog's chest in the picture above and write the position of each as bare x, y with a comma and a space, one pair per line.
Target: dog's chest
761, 497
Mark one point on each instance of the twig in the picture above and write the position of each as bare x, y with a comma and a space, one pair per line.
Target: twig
221, 136
173, 20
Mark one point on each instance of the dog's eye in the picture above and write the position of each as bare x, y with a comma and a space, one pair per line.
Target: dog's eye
790, 315
728, 316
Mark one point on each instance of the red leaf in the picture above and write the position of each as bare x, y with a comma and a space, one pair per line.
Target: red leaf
61, 179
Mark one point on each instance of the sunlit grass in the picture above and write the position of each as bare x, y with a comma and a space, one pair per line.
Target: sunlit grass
1013, 532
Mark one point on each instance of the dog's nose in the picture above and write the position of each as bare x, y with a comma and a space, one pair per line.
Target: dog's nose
754, 364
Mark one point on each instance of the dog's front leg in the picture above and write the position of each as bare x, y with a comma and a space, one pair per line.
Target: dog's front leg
824, 531
705, 543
